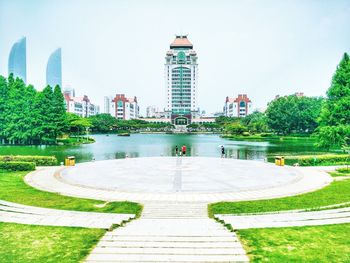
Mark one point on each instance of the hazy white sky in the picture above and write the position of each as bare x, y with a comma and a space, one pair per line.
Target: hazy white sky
261, 48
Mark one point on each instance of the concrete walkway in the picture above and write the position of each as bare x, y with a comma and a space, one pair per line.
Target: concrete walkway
22, 214
288, 219
170, 232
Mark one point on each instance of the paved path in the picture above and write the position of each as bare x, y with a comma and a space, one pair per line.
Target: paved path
170, 232
288, 219
22, 214
49, 179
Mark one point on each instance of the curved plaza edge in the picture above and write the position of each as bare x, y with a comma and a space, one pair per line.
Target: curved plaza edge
49, 179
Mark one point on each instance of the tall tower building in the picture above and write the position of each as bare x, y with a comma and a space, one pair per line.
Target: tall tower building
17, 64
181, 75
54, 69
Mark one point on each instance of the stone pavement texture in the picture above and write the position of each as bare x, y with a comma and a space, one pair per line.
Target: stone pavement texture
170, 232
291, 181
288, 219
174, 226
22, 214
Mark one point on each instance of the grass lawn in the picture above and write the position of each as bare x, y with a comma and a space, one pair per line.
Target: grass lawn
16, 190
27, 243
330, 243
335, 193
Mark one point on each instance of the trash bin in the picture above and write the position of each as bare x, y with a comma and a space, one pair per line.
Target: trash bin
279, 160
70, 161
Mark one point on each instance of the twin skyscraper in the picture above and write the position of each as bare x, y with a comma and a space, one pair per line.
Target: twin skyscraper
17, 64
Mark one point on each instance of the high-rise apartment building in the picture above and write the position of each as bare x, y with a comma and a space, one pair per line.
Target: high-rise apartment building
54, 69
17, 63
181, 78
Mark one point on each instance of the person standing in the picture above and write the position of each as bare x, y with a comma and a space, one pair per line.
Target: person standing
176, 150
222, 151
183, 149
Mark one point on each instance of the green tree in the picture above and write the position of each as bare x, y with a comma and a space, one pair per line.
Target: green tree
58, 112
46, 129
335, 115
235, 128
293, 114
4, 94
103, 122
255, 122
19, 112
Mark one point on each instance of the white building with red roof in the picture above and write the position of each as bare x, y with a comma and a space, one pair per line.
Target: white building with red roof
81, 106
122, 107
241, 106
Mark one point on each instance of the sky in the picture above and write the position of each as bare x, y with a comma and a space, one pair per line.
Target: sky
262, 48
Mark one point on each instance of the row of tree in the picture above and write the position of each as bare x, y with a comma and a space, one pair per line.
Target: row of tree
106, 123
28, 116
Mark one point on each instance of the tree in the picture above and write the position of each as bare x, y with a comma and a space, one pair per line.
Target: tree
255, 122
103, 122
4, 93
58, 112
293, 114
335, 115
235, 128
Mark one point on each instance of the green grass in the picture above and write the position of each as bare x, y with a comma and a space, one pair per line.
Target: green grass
330, 243
344, 171
16, 190
46, 244
335, 193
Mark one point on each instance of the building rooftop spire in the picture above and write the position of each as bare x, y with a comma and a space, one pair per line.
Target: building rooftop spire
181, 41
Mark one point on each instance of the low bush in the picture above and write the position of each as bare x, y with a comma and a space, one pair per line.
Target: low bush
343, 170
266, 134
17, 166
37, 160
315, 160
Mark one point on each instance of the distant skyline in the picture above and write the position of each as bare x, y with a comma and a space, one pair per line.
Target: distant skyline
54, 69
262, 48
17, 64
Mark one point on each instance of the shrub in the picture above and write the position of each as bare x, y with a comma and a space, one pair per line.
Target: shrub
314, 160
266, 134
344, 170
245, 133
17, 166
37, 160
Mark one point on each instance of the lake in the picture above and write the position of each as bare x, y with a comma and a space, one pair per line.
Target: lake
143, 145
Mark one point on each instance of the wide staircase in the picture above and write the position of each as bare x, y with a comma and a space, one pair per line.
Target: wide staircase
180, 129
170, 232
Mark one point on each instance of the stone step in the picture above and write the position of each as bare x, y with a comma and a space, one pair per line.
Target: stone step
170, 251
163, 231
168, 244
166, 258
170, 238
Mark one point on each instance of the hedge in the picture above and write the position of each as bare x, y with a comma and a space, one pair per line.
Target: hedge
17, 166
38, 160
343, 170
315, 160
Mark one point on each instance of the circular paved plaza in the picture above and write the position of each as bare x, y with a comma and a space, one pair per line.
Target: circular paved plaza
179, 174
179, 179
